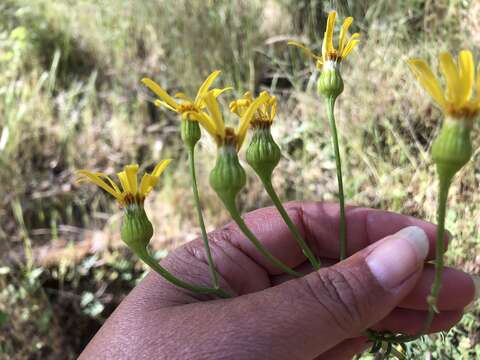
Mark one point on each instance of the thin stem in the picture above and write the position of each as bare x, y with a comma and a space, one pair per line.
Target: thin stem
150, 261
191, 161
338, 161
444, 186
267, 183
235, 214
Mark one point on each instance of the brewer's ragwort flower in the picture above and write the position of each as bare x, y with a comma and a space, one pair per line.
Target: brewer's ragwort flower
331, 55
264, 115
129, 192
214, 123
457, 99
181, 103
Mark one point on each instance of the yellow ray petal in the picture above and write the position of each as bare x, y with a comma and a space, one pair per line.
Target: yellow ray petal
327, 46
343, 33
122, 176
466, 69
428, 80
132, 171
183, 96
162, 94
273, 107
450, 71
160, 103
247, 118
352, 42
95, 179
215, 113
206, 85
110, 181
147, 184
305, 49
160, 167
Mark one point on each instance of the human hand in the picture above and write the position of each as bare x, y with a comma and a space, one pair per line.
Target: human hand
323, 315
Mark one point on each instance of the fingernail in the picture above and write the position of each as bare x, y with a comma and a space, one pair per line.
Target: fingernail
398, 256
476, 283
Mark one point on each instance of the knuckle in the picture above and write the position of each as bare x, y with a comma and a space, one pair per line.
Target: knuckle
341, 294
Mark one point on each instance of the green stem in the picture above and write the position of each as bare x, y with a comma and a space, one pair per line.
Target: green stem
338, 161
444, 186
191, 160
150, 261
267, 183
235, 214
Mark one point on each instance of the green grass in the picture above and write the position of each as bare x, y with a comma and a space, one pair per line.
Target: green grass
70, 98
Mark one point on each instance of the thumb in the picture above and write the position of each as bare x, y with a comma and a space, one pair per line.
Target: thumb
328, 306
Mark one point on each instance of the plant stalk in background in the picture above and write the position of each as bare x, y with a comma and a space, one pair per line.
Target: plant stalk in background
330, 85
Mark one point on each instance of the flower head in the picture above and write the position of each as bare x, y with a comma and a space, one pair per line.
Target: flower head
331, 55
265, 113
129, 192
214, 123
457, 99
181, 103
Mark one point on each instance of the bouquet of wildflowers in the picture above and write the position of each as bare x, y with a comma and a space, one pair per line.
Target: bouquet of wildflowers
451, 150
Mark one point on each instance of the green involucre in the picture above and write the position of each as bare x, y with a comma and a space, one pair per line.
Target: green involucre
330, 82
136, 230
263, 153
190, 132
452, 148
228, 177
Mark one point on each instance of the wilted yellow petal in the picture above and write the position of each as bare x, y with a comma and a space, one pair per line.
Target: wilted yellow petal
160, 167
160, 103
328, 36
343, 33
206, 85
466, 69
305, 49
428, 80
147, 184
215, 113
450, 71
96, 179
162, 94
132, 171
352, 42
122, 176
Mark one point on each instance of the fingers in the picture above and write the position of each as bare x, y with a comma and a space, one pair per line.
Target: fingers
318, 222
456, 292
410, 322
336, 303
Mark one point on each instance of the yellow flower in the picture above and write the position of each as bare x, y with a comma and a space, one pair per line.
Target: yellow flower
457, 100
186, 105
214, 123
329, 53
264, 114
129, 192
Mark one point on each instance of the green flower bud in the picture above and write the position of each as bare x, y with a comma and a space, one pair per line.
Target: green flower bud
227, 178
136, 230
330, 82
452, 149
263, 153
190, 132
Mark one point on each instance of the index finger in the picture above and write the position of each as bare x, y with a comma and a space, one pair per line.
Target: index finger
319, 225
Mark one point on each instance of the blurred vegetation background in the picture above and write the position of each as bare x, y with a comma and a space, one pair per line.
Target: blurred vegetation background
70, 98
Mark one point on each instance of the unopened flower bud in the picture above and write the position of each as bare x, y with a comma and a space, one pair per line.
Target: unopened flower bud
136, 230
263, 153
330, 82
190, 132
228, 177
452, 148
